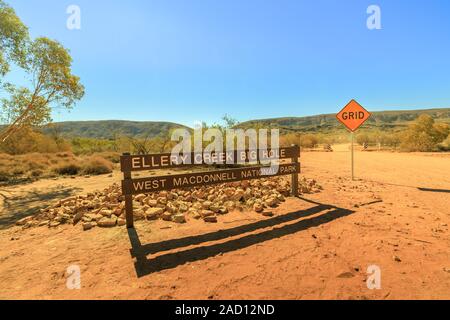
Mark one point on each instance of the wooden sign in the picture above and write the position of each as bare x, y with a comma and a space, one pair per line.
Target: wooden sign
353, 115
153, 184
131, 163
168, 160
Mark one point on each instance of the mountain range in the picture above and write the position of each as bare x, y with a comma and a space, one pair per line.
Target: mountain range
108, 129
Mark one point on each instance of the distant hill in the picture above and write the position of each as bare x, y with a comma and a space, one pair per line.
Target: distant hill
327, 123
383, 120
108, 129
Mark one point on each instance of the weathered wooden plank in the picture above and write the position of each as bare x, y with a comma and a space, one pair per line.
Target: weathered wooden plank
153, 184
167, 160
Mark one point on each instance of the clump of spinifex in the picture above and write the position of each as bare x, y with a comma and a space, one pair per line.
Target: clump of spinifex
106, 208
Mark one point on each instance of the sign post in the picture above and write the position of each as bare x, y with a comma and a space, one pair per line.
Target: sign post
128, 199
353, 156
353, 116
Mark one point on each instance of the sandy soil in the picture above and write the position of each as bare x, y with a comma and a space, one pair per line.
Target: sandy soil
319, 246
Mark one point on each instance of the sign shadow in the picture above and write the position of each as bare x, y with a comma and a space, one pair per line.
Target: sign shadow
145, 266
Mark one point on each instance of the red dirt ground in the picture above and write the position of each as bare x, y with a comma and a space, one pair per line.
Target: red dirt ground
315, 247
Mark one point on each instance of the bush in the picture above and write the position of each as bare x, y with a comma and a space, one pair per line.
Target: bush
445, 146
114, 157
4, 176
290, 139
96, 165
88, 146
28, 140
424, 135
36, 173
67, 169
308, 141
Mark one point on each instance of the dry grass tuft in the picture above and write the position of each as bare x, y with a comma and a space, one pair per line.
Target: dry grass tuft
34, 166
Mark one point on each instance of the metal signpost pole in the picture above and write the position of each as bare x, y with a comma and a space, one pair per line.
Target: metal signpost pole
294, 179
353, 156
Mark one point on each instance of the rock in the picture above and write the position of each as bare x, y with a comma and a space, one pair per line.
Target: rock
139, 214
54, 224
268, 214
183, 207
171, 208
397, 259
271, 202
162, 200
195, 214
215, 208
106, 208
78, 217
93, 217
223, 210
154, 213
137, 204
207, 205
87, 226
167, 216
210, 219
179, 218
43, 223
24, 221
63, 218
139, 197
238, 195
106, 212
29, 224
230, 205
258, 207
118, 212
207, 213
245, 184
229, 192
106, 222
172, 196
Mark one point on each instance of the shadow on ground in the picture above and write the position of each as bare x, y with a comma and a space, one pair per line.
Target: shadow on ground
423, 189
19, 205
434, 190
145, 266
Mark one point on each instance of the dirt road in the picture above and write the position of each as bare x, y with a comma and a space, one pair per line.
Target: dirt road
319, 246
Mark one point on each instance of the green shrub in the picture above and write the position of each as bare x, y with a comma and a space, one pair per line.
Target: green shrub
424, 135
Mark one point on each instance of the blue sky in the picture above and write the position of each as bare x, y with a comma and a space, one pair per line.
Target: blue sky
196, 60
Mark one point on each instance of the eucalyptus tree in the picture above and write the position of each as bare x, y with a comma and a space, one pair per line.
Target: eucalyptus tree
48, 65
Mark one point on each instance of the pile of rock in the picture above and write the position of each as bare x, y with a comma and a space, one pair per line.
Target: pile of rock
107, 208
